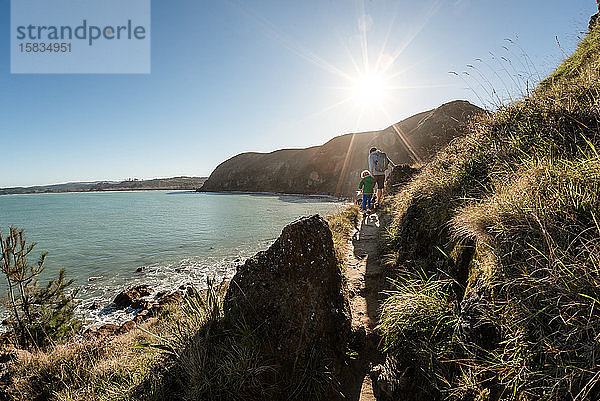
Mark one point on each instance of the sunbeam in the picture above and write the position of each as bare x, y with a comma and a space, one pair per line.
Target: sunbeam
367, 86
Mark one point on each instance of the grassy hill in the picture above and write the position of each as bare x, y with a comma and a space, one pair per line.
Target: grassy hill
496, 247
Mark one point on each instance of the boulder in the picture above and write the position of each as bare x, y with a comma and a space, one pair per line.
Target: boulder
143, 304
143, 290
105, 330
292, 295
140, 317
131, 295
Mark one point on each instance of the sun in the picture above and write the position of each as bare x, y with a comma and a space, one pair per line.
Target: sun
369, 90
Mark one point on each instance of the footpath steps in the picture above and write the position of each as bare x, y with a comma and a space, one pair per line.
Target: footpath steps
366, 280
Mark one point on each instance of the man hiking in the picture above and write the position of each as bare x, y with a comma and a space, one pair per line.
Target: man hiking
378, 164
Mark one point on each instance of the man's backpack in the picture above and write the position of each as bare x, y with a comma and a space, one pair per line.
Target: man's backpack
380, 161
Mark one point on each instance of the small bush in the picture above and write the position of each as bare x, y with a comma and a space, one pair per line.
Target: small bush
40, 316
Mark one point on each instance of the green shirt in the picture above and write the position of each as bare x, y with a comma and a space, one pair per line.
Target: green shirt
367, 184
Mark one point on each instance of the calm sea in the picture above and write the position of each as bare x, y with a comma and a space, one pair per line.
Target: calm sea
179, 238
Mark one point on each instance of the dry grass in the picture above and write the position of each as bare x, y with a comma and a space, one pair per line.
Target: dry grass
342, 224
87, 369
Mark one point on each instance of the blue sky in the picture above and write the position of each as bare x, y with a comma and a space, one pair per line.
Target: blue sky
232, 76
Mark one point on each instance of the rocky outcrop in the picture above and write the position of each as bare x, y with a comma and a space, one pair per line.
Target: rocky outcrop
292, 295
144, 305
132, 295
334, 168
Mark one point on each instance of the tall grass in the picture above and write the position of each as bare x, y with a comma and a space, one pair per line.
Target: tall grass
502, 78
215, 356
87, 369
417, 325
510, 213
342, 224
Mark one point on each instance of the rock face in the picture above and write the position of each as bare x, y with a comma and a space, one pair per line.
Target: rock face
334, 168
292, 294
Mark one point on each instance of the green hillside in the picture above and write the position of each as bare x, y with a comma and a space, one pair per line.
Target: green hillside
496, 245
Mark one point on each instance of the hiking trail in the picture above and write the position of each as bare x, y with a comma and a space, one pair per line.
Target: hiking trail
366, 280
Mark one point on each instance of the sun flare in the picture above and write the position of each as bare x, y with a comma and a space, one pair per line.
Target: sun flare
370, 90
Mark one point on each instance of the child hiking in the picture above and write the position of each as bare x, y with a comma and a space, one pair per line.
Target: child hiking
366, 185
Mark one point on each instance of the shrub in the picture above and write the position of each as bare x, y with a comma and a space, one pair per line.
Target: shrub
40, 315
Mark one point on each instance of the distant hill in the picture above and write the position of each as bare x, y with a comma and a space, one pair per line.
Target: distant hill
334, 168
180, 183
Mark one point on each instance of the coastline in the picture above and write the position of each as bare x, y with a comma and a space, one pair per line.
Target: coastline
267, 193
202, 242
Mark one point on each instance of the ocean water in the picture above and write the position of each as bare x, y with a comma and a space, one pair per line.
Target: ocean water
179, 238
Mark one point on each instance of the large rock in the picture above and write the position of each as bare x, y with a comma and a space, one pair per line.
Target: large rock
292, 295
334, 168
132, 295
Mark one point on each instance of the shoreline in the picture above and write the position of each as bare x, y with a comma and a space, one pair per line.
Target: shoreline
192, 190
184, 183
305, 195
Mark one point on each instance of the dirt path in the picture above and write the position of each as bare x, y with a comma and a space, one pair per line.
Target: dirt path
366, 280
